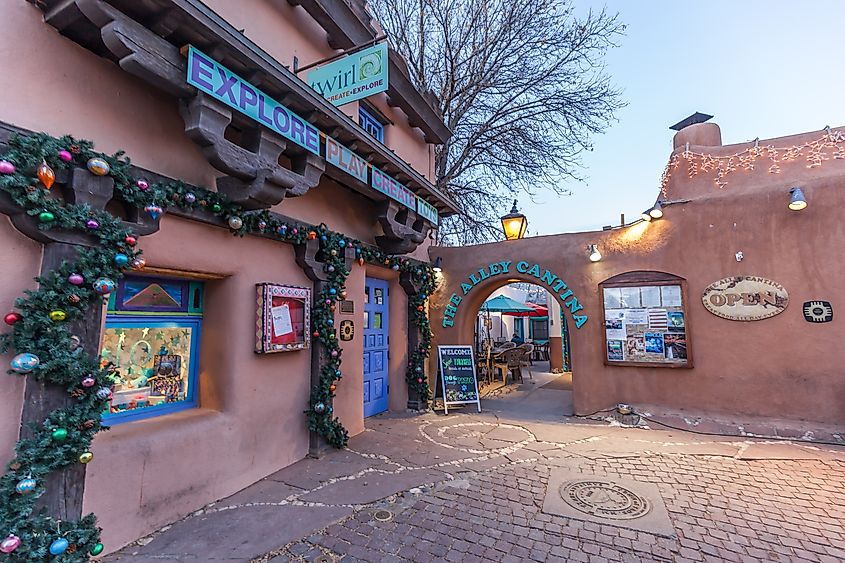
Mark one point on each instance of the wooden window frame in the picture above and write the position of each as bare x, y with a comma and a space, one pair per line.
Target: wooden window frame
641, 278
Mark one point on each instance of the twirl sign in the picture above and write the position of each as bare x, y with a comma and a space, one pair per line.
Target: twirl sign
353, 77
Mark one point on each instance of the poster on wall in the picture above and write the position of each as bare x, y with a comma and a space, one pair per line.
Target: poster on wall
645, 325
457, 374
283, 318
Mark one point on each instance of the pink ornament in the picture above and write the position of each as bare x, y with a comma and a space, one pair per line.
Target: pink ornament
92, 224
419, 380
88, 381
65, 156
76, 279
10, 544
143, 185
294, 231
6, 167
334, 353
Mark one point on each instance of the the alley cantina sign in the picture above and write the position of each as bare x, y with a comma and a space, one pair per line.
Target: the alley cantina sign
211, 77
745, 298
556, 286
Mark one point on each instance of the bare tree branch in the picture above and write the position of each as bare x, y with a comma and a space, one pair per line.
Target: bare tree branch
521, 84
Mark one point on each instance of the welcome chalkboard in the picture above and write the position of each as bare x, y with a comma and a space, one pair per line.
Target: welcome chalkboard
457, 372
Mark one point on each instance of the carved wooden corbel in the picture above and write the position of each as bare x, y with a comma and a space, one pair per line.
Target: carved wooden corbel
403, 229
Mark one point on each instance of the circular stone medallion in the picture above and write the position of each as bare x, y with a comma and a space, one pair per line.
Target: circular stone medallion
604, 499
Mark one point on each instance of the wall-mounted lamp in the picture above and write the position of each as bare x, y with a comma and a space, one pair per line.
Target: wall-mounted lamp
595, 255
797, 201
646, 215
438, 265
656, 212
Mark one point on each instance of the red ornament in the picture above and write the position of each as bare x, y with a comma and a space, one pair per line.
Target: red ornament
130, 240
316, 334
420, 308
360, 261
12, 318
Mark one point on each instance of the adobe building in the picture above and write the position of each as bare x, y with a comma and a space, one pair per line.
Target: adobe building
206, 93
725, 304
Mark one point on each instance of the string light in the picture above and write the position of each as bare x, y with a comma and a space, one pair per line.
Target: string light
815, 152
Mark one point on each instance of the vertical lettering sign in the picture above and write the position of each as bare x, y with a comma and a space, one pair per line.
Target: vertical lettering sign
353, 77
393, 189
457, 374
343, 158
226, 86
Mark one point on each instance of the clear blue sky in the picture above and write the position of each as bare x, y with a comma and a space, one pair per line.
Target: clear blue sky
762, 68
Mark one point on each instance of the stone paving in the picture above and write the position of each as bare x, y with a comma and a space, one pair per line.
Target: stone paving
471, 487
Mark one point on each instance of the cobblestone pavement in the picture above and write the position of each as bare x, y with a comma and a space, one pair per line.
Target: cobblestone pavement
471, 487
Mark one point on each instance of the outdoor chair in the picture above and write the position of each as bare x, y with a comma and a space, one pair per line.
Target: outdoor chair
526, 360
509, 361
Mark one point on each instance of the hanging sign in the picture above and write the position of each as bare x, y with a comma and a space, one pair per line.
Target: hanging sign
393, 189
339, 156
745, 298
818, 311
224, 85
457, 374
426, 210
353, 77
347, 330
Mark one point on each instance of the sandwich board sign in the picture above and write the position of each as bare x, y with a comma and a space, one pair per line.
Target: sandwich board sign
457, 374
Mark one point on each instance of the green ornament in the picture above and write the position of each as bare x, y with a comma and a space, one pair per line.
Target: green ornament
46, 217
217, 208
59, 434
96, 550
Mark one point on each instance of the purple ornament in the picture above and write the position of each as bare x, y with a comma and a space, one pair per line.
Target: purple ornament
65, 156
143, 185
75, 279
92, 224
190, 198
6, 167
88, 381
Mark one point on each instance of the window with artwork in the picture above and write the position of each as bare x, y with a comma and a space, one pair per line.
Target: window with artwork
645, 320
371, 124
152, 337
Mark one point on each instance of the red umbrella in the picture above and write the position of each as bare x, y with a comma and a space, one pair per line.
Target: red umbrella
537, 311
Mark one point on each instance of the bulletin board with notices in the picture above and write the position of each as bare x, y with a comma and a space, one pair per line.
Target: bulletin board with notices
646, 325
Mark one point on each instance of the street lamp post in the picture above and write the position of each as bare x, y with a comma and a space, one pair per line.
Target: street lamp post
514, 224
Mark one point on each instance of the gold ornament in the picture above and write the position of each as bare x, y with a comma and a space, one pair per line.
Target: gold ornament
58, 315
86, 457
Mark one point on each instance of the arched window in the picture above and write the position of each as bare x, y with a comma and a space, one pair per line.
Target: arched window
645, 320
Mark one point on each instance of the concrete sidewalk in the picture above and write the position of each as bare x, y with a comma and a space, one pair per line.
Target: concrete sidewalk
474, 487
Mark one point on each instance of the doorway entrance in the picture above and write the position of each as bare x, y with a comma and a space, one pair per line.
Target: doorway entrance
376, 346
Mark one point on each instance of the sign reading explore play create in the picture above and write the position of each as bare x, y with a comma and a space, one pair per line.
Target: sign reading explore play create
745, 298
457, 372
353, 77
556, 285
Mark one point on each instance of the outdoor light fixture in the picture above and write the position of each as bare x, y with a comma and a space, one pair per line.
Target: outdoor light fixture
595, 255
438, 265
646, 215
514, 224
797, 202
656, 212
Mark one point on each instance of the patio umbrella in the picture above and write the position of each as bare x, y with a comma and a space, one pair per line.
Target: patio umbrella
536, 311
504, 304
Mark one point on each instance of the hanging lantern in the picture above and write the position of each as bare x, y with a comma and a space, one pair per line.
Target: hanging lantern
45, 174
98, 166
154, 211
514, 224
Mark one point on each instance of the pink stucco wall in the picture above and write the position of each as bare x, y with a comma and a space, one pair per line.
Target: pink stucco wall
250, 423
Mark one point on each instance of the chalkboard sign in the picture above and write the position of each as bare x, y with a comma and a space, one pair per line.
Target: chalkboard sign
457, 372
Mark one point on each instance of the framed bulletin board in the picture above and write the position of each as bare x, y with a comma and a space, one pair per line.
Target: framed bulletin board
645, 320
283, 318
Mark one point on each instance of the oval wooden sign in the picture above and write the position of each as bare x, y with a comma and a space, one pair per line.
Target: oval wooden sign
745, 298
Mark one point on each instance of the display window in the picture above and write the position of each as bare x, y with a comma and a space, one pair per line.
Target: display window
152, 338
645, 320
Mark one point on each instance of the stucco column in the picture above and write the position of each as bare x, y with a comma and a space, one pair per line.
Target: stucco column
555, 341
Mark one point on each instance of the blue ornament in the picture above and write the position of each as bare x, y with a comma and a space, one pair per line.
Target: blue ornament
319, 408
332, 290
58, 546
25, 486
324, 238
24, 362
104, 286
283, 229
154, 211
341, 243
190, 198
337, 373
331, 322
121, 259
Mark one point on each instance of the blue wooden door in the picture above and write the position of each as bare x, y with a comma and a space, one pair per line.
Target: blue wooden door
376, 326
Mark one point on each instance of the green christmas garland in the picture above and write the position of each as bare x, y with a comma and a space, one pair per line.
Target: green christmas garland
47, 350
